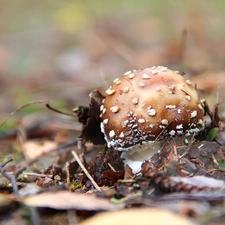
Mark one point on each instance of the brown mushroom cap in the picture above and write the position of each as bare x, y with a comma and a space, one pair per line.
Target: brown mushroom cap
149, 104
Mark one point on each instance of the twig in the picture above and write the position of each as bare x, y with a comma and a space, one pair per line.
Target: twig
58, 111
18, 172
10, 177
188, 147
37, 174
111, 167
23, 106
85, 171
6, 162
216, 164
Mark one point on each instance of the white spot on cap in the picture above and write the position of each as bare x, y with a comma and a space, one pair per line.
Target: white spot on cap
101, 107
117, 81
176, 71
131, 75
188, 81
124, 123
151, 112
172, 132
200, 106
162, 127
110, 91
187, 134
194, 113
103, 111
172, 87
170, 106
121, 135
126, 89
135, 101
165, 121
154, 72
200, 121
127, 73
180, 126
141, 120
195, 130
102, 127
112, 133
188, 97
103, 100
163, 69
145, 76
158, 89
105, 121
114, 109
141, 84
151, 125
179, 111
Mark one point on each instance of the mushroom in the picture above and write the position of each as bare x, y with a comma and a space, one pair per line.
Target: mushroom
144, 106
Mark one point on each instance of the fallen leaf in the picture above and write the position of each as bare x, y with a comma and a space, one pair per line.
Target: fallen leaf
200, 181
135, 216
209, 81
64, 200
32, 149
90, 118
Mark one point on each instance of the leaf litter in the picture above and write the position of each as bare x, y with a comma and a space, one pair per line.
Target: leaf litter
187, 173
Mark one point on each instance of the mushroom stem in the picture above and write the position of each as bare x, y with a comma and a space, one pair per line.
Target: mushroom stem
135, 157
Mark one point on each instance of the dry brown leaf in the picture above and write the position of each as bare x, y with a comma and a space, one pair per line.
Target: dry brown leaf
64, 200
210, 81
32, 149
136, 216
200, 181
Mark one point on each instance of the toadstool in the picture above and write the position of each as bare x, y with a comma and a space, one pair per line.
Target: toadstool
148, 105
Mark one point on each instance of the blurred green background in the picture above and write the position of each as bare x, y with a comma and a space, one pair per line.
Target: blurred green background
61, 50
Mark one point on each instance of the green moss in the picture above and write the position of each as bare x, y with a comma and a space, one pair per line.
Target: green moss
75, 185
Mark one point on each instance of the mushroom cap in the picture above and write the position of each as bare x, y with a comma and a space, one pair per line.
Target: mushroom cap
149, 104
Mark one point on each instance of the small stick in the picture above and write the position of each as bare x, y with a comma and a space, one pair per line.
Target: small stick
85, 171
58, 111
111, 167
37, 174
187, 148
215, 162
23, 106
10, 177
6, 162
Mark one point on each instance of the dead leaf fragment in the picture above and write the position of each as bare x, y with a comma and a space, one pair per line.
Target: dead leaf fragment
209, 81
200, 181
32, 149
64, 200
90, 118
136, 216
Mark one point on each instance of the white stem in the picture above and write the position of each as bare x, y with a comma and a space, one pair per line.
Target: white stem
137, 155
